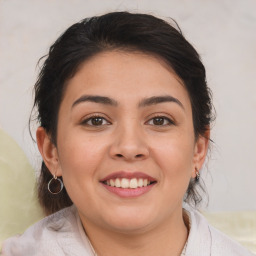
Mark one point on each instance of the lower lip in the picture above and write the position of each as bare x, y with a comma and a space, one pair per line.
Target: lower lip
128, 192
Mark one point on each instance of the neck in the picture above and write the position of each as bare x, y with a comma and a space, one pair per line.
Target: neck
166, 239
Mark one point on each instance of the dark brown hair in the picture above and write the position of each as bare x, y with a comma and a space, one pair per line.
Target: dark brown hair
122, 31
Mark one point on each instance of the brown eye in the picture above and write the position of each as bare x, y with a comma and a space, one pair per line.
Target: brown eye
160, 121
95, 121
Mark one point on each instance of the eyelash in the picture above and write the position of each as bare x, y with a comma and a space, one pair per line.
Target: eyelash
164, 118
93, 117
167, 121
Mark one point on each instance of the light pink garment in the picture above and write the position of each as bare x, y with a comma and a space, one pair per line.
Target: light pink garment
61, 234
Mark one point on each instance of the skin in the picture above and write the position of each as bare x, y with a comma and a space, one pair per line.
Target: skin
129, 138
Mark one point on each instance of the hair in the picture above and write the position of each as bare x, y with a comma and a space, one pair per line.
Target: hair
126, 32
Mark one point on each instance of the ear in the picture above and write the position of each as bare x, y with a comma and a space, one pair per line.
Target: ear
48, 151
200, 151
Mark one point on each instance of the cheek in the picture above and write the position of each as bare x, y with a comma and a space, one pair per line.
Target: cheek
80, 156
174, 156
80, 159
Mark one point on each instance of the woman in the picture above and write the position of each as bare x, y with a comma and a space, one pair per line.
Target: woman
124, 113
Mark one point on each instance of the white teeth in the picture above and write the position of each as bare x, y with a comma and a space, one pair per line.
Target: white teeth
125, 183
128, 183
133, 183
117, 183
140, 183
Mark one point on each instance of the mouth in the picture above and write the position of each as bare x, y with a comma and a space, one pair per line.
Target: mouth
126, 184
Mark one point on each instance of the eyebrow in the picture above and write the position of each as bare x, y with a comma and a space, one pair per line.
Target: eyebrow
144, 103
159, 99
96, 99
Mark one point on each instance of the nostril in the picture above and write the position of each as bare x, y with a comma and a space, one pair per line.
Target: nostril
119, 155
139, 156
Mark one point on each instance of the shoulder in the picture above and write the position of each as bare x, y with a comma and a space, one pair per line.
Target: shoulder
206, 240
46, 236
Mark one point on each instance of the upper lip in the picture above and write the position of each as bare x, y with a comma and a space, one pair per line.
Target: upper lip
127, 175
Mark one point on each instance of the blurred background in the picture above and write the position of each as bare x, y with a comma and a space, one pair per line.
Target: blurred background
222, 31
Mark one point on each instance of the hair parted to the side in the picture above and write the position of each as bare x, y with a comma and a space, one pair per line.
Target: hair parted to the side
116, 31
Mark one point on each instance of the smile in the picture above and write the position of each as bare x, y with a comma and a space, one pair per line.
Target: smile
128, 183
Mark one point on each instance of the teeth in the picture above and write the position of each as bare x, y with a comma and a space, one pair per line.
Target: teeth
140, 183
125, 183
133, 183
128, 183
117, 183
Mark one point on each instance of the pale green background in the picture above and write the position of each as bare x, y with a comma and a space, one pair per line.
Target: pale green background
18, 203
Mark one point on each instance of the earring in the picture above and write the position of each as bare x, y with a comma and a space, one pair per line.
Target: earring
197, 174
56, 185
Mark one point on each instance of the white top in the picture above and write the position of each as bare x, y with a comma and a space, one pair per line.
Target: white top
62, 234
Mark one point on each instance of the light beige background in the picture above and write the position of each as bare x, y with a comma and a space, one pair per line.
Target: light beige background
224, 33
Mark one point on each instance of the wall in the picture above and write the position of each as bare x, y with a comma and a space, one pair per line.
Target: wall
222, 31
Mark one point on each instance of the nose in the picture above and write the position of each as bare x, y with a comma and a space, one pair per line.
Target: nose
129, 145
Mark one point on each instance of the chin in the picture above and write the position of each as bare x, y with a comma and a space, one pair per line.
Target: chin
130, 221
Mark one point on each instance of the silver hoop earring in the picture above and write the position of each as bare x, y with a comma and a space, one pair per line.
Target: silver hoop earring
55, 185
197, 174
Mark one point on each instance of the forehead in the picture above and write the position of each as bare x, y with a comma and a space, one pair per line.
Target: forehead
126, 75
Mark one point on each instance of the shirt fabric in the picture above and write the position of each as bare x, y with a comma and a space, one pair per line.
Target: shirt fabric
62, 234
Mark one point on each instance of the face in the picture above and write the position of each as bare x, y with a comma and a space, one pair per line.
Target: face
125, 142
